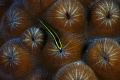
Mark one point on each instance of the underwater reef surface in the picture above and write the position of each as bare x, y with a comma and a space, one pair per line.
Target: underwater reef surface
59, 40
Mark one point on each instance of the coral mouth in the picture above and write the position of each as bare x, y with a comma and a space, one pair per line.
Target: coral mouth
106, 58
62, 51
108, 16
68, 16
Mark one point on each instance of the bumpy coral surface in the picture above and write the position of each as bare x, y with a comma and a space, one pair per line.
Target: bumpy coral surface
59, 39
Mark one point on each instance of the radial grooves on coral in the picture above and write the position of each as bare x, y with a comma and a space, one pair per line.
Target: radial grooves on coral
105, 17
86, 3
37, 7
67, 16
45, 4
15, 61
33, 39
58, 58
103, 56
14, 22
75, 71
4, 5
1, 39
38, 74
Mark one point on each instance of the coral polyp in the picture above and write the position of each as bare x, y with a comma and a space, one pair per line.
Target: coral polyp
33, 39
67, 16
75, 71
103, 55
15, 60
105, 18
14, 22
58, 58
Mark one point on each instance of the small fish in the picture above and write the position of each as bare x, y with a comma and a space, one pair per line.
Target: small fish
53, 34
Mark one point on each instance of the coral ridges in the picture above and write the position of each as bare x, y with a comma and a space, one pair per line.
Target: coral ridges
78, 39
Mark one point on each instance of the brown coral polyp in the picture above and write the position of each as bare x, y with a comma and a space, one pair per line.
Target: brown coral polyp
105, 17
15, 22
33, 39
75, 71
52, 58
15, 61
67, 16
103, 57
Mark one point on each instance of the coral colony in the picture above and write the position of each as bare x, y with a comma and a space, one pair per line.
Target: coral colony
59, 40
